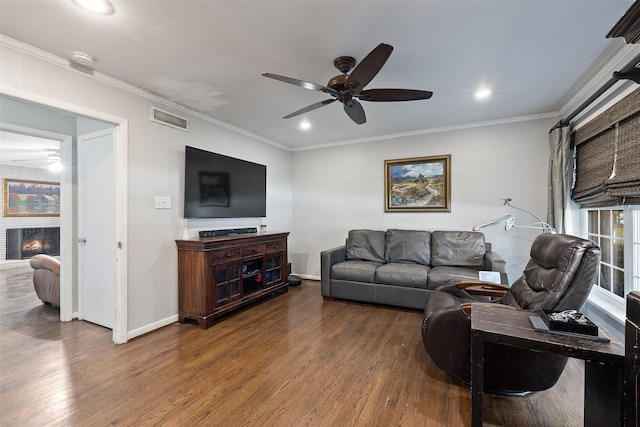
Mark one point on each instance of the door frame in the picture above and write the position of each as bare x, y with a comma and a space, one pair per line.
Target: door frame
121, 142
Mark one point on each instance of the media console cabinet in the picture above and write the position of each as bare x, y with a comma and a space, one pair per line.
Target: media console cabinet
217, 275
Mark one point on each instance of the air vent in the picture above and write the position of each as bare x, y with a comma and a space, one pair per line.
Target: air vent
169, 119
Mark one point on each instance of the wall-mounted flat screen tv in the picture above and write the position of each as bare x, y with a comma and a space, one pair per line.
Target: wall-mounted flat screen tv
217, 186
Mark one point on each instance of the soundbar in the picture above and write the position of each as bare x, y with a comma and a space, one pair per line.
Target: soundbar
227, 232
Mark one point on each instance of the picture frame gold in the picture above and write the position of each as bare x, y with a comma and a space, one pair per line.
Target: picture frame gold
22, 198
418, 184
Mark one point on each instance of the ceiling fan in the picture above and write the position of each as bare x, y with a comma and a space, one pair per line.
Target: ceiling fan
348, 88
42, 158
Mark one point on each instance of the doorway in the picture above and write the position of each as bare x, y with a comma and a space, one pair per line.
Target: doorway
71, 209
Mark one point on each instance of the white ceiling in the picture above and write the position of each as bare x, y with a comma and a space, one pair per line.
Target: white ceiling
209, 56
28, 151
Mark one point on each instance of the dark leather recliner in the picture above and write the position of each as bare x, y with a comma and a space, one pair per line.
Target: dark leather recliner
558, 276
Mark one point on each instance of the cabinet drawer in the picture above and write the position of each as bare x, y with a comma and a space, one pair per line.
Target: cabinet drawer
225, 255
275, 246
253, 250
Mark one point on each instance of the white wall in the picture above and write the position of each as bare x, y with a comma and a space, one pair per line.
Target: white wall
339, 188
156, 163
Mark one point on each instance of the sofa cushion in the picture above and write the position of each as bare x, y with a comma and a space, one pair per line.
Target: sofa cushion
410, 275
356, 271
445, 275
408, 246
366, 245
457, 248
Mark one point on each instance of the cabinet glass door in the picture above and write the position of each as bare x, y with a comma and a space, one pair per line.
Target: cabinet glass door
227, 281
273, 269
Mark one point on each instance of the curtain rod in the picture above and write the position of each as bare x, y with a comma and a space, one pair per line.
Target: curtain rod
630, 68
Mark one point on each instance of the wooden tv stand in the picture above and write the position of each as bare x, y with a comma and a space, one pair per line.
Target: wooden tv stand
217, 275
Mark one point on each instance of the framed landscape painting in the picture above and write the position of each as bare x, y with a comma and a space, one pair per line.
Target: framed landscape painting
30, 198
420, 184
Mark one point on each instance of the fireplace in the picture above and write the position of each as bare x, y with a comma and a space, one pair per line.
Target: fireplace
23, 243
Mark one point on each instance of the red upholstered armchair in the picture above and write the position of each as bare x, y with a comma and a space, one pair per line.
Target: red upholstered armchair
46, 278
558, 276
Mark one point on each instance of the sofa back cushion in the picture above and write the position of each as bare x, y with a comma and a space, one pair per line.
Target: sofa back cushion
408, 246
366, 245
457, 248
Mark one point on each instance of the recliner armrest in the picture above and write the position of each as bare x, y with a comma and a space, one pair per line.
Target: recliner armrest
46, 262
466, 308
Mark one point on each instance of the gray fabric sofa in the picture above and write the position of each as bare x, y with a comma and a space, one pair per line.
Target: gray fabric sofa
401, 267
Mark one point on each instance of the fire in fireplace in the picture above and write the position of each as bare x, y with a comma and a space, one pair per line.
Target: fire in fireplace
23, 243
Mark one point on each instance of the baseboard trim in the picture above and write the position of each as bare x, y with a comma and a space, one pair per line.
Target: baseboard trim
308, 276
152, 326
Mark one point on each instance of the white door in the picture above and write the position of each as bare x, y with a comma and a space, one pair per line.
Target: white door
96, 241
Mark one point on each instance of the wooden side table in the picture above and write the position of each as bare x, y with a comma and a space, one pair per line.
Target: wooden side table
495, 323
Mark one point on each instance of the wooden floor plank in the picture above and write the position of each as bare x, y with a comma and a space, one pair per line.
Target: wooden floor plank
293, 360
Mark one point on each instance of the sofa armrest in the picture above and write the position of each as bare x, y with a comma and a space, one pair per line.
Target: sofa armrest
494, 262
327, 259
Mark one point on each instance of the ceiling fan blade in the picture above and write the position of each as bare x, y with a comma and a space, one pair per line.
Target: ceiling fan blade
31, 161
367, 69
355, 111
309, 108
390, 95
301, 83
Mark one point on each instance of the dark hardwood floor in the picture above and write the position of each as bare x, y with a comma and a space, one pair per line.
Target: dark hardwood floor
293, 360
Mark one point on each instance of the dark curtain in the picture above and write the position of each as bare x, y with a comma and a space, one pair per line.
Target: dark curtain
608, 156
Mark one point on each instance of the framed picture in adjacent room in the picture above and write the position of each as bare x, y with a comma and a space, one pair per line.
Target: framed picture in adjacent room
30, 198
419, 184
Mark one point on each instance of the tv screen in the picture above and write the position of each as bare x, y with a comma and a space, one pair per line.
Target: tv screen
217, 186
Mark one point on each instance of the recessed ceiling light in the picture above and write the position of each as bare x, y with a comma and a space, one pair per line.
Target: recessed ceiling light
305, 125
483, 94
101, 7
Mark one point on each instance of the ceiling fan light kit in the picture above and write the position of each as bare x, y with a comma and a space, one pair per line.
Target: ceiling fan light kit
56, 166
348, 88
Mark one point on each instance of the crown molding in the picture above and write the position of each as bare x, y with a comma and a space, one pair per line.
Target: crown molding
617, 61
463, 126
50, 58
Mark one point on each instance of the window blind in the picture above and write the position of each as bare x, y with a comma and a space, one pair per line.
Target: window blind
608, 156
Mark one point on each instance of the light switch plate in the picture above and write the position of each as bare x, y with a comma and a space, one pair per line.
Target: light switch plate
163, 202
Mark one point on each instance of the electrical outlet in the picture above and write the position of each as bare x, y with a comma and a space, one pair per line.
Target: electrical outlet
163, 202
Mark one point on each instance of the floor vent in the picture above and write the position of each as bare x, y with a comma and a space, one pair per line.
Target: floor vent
168, 119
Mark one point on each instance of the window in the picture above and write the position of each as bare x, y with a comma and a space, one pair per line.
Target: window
617, 231
606, 227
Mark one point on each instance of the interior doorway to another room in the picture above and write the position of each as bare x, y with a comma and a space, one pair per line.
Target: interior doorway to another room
93, 134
